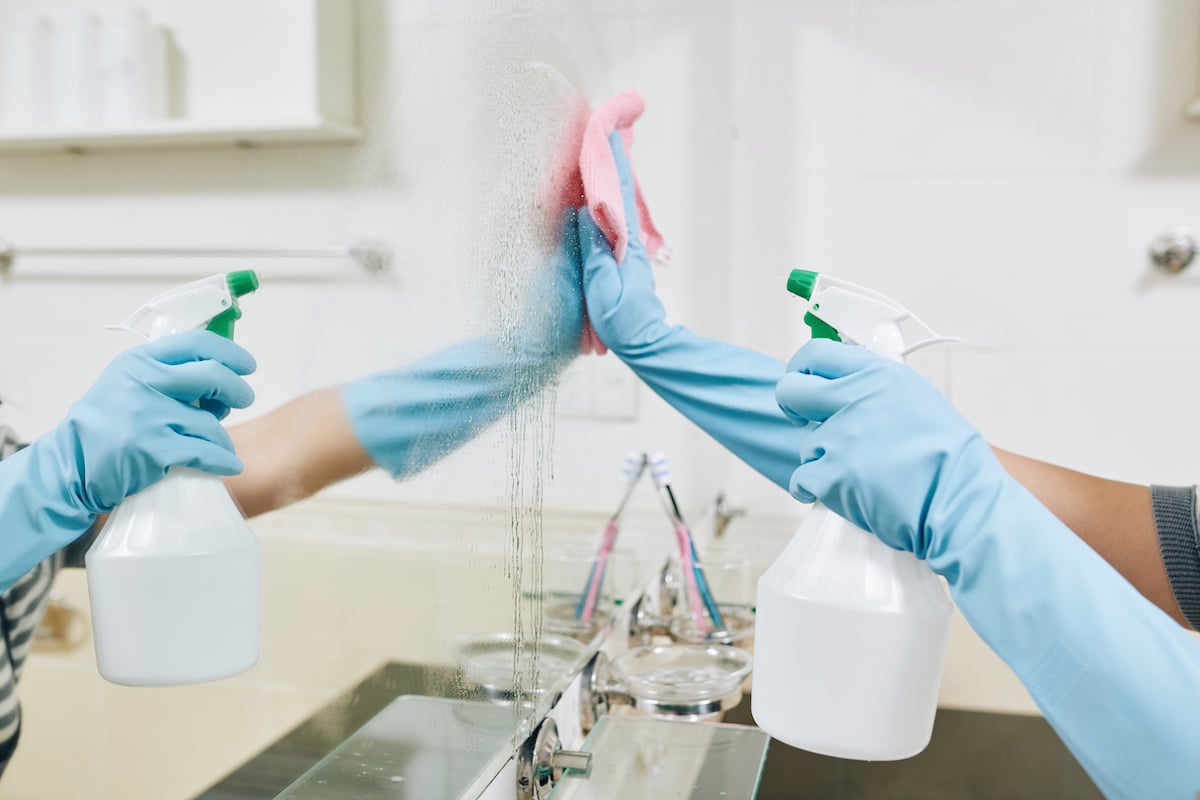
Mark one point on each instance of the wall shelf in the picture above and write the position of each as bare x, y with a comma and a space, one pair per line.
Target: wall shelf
243, 72
178, 133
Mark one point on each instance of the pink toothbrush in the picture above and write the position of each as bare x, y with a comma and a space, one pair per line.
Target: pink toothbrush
634, 466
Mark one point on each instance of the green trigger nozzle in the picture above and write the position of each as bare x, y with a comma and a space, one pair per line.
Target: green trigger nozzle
801, 282
242, 282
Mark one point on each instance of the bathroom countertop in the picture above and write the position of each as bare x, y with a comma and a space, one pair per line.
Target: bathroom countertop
275, 768
973, 754
983, 756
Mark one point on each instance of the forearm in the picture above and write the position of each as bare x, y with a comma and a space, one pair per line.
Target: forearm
1115, 676
726, 390
1115, 519
295, 451
410, 418
35, 517
729, 392
403, 420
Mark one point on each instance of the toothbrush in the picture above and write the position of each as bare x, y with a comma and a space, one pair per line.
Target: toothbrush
634, 466
693, 574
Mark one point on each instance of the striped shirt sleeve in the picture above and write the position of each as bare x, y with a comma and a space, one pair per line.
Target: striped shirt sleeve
21, 610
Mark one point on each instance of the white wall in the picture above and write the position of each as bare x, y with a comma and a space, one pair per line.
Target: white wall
1001, 167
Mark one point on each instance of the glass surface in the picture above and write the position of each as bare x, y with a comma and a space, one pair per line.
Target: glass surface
493, 663
682, 673
561, 616
738, 629
727, 571
417, 747
570, 569
635, 758
430, 526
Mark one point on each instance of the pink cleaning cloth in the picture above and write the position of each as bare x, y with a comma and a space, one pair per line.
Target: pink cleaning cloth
602, 189
602, 184
586, 172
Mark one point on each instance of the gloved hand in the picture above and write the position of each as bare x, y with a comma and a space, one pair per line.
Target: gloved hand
133, 424
728, 391
1116, 677
897, 477
409, 418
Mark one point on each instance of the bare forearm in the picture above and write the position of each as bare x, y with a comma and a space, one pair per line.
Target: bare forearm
1115, 519
294, 452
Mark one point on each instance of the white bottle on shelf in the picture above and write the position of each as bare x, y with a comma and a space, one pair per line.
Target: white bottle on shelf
133, 67
74, 55
25, 73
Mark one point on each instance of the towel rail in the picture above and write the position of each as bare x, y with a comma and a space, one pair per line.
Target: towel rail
371, 256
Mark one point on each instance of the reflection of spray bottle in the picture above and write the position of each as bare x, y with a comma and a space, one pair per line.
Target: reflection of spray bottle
175, 575
850, 635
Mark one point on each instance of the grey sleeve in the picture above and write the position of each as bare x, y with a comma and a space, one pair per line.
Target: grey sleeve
74, 552
1179, 539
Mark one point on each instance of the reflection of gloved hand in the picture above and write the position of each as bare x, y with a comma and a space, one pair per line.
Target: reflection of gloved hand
1115, 676
409, 418
131, 426
728, 391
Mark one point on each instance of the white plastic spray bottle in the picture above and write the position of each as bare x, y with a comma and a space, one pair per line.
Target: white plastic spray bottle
850, 635
175, 576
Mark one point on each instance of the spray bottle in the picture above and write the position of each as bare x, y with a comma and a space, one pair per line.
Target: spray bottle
175, 576
850, 635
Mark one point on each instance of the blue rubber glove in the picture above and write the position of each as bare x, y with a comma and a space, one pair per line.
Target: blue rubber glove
1116, 677
133, 424
728, 391
407, 419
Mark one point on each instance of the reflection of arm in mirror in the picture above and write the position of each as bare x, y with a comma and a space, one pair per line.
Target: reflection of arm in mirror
133, 424
405, 420
294, 451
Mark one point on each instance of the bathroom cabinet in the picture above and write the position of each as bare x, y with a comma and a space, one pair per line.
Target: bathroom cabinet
241, 72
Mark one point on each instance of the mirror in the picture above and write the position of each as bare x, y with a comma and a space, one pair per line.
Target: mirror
430, 575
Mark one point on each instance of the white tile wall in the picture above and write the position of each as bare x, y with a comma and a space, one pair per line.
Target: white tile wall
948, 87
1128, 414
1001, 168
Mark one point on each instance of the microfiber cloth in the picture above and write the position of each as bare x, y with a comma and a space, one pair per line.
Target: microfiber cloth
602, 188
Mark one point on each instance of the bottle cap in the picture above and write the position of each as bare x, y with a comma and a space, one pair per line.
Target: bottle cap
242, 282
801, 282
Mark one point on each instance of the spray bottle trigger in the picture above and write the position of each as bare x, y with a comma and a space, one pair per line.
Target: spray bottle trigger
185, 308
820, 328
223, 323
